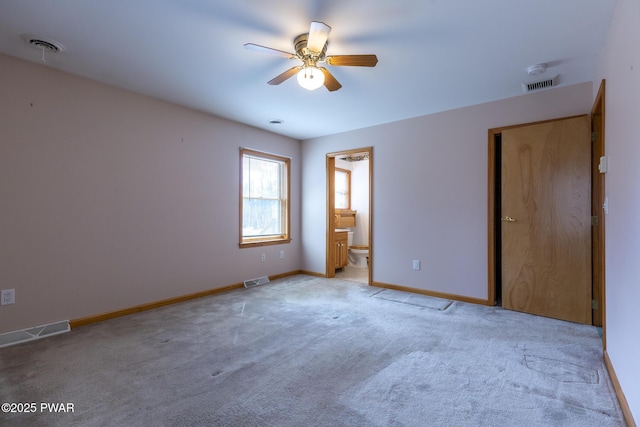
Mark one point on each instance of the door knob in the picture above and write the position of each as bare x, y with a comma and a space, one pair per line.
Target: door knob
508, 219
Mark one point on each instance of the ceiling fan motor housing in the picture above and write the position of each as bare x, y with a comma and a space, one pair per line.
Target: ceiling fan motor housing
300, 44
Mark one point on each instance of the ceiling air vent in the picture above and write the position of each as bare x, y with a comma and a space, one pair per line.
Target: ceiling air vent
542, 84
45, 44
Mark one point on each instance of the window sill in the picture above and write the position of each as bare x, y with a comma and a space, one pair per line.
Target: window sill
255, 243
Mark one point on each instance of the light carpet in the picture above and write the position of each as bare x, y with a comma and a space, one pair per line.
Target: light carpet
306, 351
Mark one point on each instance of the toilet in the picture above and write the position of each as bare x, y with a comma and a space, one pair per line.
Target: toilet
358, 254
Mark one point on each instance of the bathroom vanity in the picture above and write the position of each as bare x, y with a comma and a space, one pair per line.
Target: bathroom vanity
341, 249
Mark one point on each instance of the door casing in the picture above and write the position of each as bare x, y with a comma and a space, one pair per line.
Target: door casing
598, 195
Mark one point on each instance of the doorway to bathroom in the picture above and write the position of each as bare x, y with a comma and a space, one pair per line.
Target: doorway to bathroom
349, 243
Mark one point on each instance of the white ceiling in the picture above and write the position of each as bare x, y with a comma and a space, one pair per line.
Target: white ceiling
434, 55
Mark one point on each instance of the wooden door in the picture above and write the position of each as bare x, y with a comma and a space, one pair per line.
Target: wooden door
546, 219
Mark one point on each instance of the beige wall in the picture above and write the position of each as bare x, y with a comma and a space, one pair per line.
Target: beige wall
109, 199
620, 66
430, 190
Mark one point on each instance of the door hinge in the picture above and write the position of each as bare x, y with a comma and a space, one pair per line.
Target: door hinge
594, 136
594, 304
595, 220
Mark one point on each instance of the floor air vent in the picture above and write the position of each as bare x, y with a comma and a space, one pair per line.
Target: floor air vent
542, 84
255, 282
16, 337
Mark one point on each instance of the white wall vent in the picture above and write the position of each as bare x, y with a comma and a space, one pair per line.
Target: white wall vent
16, 337
541, 84
255, 282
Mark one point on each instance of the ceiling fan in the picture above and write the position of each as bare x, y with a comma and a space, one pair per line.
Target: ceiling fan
311, 48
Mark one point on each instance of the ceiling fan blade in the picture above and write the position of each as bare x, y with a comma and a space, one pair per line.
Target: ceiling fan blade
318, 35
352, 60
284, 76
330, 82
269, 50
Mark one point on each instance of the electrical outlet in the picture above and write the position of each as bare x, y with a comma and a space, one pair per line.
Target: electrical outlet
263, 257
281, 254
416, 264
7, 296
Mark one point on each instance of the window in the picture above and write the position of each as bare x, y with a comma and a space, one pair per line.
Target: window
343, 189
264, 204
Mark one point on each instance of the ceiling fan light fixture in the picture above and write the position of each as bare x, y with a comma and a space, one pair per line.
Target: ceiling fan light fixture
310, 78
311, 49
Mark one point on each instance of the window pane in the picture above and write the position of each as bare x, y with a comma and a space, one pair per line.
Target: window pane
263, 179
261, 217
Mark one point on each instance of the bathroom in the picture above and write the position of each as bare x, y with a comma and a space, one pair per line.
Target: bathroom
352, 193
